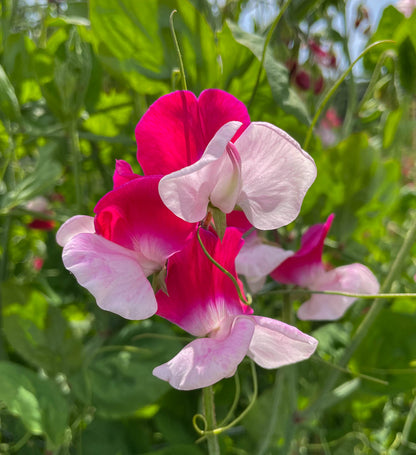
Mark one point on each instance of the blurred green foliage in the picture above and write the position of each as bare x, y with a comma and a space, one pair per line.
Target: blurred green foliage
75, 78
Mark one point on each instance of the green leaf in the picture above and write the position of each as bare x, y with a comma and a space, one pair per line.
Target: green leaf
38, 402
390, 128
277, 74
119, 378
38, 332
407, 65
134, 43
9, 105
38, 182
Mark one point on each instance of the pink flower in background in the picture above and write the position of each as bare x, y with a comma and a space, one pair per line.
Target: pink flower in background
203, 301
130, 238
406, 7
41, 205
305, 268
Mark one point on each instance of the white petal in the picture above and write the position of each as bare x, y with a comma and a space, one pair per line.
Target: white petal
187, 192
112, 274
76, 225
275, 344
256, 260
276, 174
205, 361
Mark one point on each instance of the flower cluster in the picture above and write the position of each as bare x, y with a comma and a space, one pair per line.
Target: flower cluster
209, 175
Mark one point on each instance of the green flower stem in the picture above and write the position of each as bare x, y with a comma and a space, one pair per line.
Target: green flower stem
266, 43
388, 295
352, 90
369, 319
75, 153
209, 412
178, 51
330, 92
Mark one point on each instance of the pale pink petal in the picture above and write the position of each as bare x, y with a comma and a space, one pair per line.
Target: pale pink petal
123, 173
256, 260
200, 296
275, 344
353, 278
112, 274
76, 225
305, 266
276, 174
205, 361
187, 192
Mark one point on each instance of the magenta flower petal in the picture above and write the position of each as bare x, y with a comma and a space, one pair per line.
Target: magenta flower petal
216, 177
352, 278
201, 297
123, 173
275, 344
177, 128
112, 274
276, 174
306, 263
76, 225
256, 260
134, 216
205, 361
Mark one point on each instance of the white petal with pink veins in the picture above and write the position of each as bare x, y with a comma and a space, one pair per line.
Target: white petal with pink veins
205, 361
112, 274
76, 225
276, 344
276, 174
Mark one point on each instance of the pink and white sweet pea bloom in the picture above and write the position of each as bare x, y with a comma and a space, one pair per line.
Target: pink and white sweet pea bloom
131, 237
203, 301
209, 152
305, 268
264, 172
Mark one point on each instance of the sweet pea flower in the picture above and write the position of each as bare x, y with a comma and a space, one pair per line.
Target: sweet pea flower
256, 260
210, 153
203, 301
305, 268
130, 238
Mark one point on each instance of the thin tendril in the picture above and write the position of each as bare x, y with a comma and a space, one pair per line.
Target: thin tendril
204, 433
178, 51
223, 270
235, 402
347, 294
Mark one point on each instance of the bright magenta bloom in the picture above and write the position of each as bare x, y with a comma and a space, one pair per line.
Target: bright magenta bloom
211, 154
204, 302
131, 237
176, 129
305, 268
